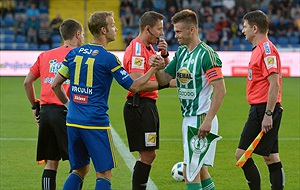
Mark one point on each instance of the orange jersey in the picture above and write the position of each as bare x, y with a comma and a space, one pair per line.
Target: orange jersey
45, 68
264, 60
136, 60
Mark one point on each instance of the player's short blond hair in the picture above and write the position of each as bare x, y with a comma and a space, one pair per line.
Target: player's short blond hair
98, 20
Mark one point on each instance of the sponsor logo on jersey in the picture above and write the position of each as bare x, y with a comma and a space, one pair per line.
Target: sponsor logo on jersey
267, 47
80, 98
184, 75
138, 49
270, 62
184, 93
150, 139
95, 52
124, 73
197, 145
137, 62
54, 66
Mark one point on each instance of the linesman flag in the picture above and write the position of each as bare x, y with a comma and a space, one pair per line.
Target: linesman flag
243, 159
199, 149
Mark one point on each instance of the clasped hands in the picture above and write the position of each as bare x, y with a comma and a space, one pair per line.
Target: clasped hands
157, 61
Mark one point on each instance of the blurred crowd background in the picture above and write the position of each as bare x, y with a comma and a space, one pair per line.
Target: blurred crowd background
26, 24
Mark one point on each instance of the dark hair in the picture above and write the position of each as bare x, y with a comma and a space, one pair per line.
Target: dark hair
69, 28
98, 20
259, 19
150, 18
186, 16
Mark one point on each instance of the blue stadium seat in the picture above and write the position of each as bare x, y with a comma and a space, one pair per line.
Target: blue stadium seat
20, 39
9, 21
32, 47
44, 47
9, 46
7, 30
56, 39
8, 39
282, 41
248, 47
235, 47
21, 46
56, 45
273, 39
294, 40
236, 41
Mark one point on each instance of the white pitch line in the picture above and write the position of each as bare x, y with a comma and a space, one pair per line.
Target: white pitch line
128, 158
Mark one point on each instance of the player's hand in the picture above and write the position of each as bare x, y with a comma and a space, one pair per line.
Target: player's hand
267, 124
156, 61
36, 116
173, 83
204, 129
162, 46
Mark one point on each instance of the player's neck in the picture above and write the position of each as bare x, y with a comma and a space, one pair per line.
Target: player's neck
70, 44
193, 43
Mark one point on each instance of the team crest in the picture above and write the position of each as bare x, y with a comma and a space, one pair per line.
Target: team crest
95, 52
198, 145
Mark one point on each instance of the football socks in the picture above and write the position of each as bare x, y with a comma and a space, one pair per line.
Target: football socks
74, 182
252, 174
49, 180
103, 184
208, 184
140, 175
193, 186
277, 178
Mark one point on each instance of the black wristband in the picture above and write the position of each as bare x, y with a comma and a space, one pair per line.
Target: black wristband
164, 86
165, 56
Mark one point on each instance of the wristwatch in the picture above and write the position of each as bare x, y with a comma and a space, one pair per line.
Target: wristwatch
269, 113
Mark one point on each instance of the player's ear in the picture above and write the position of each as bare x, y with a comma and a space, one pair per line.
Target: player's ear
103, 30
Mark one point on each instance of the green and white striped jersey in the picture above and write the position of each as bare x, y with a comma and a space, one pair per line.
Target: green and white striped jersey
189, 68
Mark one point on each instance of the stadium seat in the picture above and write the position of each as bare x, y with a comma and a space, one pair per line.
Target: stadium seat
8, 39
272, 39
44, 47
9, 46
235, 47
8, 21
32, 47
294, 40
282, 41
21, 46
236, 41
7, 30
248, 47
56, 39
244, 41
56, 45
20, 39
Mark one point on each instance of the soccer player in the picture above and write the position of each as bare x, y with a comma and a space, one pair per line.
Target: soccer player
264, 96
140, 111
197, 69
52, 138
91, 69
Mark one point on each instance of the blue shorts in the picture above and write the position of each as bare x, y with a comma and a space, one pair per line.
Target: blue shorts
89, 143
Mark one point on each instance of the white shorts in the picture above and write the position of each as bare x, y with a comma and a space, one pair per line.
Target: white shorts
194, 122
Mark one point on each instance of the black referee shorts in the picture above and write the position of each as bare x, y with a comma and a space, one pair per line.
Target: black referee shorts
52, 137
142, 124
269, 142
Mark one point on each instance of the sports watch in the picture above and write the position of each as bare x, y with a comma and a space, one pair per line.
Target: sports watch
269, 113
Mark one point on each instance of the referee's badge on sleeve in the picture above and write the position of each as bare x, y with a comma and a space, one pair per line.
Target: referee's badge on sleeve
137, 62
270, 62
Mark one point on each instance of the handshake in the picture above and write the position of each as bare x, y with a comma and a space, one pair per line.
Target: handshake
157, 61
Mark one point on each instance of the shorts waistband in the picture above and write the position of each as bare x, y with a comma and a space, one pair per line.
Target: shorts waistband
263, 104
52, 106
142, 99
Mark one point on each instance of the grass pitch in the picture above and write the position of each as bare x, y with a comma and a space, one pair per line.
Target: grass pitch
18, 133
